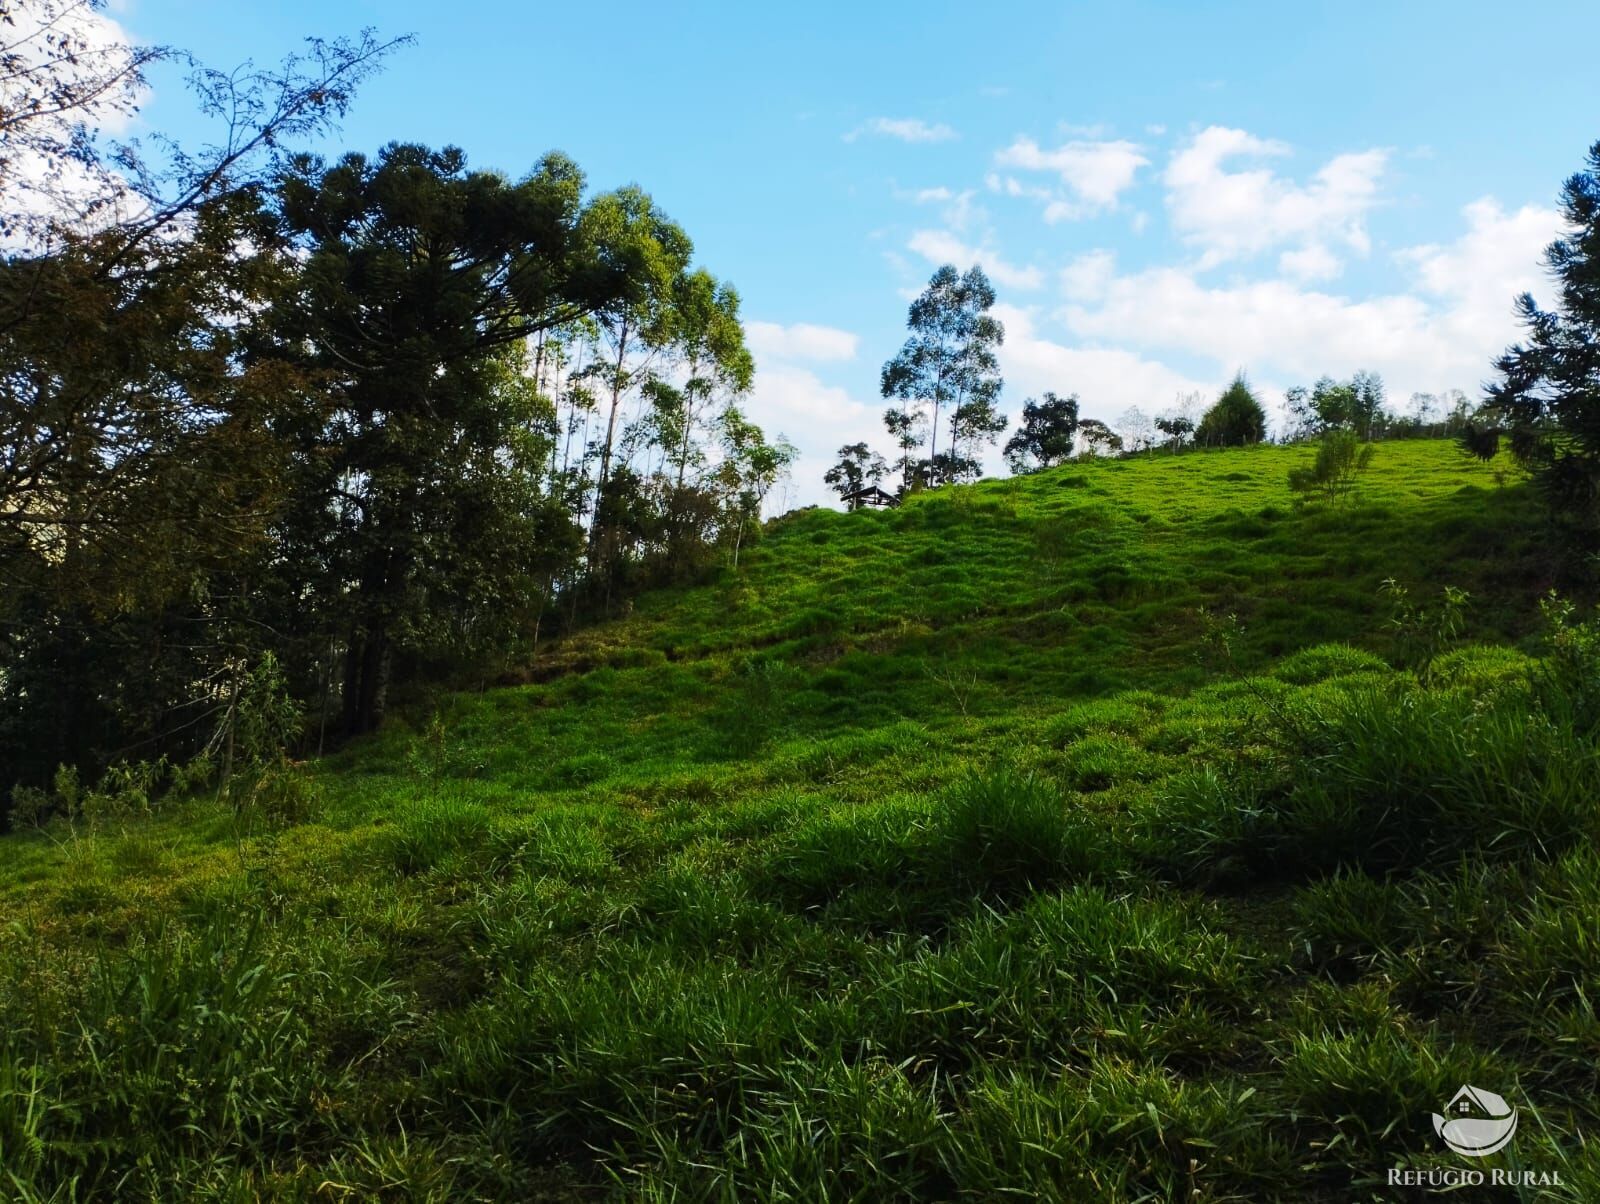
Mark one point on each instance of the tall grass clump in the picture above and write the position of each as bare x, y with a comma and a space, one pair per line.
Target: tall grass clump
188, 1050
1387, 780
1007, 833
997, 836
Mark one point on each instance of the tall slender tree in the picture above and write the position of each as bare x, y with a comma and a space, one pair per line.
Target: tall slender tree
948, 364
635, 324
709, 339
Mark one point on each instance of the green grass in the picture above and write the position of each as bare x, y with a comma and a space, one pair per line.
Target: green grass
937, 854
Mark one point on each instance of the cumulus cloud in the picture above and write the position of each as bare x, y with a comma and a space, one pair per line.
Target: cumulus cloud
1094, 173
1313, 262
941, 246
906, 129
1087, 276
799, 341
1452, 314
1108, 379
1223, 200
790, 398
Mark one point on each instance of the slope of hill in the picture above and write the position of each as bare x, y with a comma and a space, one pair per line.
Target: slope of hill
1102, 834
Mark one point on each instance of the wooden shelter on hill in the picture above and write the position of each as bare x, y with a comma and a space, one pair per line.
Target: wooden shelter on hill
871, 495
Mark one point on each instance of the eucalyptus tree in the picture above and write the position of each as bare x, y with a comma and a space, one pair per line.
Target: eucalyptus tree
1332, 405
751, 465
948, 363
708, 338
635, 324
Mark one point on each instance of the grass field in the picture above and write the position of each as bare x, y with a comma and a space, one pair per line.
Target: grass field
1090, 835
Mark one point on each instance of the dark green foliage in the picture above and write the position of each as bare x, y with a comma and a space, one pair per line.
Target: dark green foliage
301, 439
1388, 780
1235, 420
1547, 399
404, 487
1047, 434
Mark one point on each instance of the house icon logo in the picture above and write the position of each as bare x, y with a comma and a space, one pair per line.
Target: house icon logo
1476, 1122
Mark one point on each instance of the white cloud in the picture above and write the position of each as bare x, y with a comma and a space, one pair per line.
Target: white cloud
906, 129
83, 47
789, 398
799, 341
1451, 316
1313, 262
1094, 173
941, 246
817, 417
1107, 379
1087, 276
1230, 212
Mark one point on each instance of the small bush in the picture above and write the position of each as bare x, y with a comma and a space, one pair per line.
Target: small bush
1341, 458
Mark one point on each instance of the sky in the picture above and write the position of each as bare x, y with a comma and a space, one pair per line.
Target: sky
1162, 194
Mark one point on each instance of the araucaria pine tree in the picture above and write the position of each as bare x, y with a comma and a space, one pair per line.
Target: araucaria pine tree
1548, 396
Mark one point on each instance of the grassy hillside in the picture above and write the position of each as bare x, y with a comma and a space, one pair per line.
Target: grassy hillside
959, 850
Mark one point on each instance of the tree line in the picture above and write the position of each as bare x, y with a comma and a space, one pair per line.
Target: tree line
371, 420
946, 380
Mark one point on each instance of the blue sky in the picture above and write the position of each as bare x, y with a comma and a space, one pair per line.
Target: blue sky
1163, 193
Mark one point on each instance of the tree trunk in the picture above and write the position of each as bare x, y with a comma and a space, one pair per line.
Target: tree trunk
366, 679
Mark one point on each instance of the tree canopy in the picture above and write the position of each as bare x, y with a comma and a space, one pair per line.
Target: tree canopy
947, 365
1046, 435
1547, 396
343, 427
1235, 419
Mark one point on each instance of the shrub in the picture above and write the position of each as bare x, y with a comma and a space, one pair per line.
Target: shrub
1341, 458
